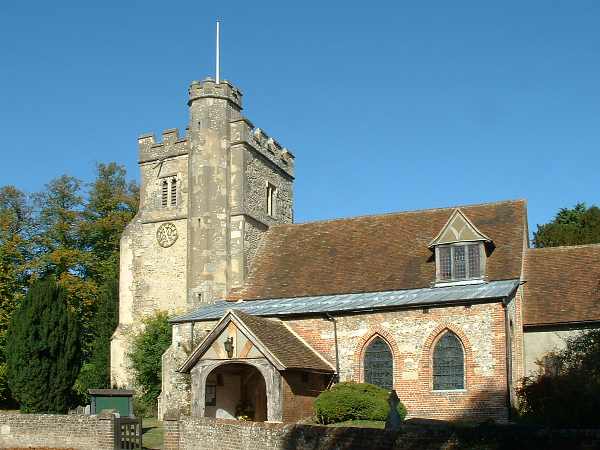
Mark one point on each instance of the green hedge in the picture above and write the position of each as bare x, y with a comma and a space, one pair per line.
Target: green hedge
354, 401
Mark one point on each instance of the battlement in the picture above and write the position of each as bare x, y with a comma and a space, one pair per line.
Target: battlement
208, 88
172, 145
244, 132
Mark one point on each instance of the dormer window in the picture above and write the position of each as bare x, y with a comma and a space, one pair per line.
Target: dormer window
460, 253
459, 261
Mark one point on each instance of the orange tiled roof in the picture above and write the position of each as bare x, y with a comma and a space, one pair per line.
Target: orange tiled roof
562, 285
376, 253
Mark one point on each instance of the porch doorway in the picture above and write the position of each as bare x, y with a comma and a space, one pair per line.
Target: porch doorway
236, 391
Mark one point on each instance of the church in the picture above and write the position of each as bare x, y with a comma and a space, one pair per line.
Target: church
450, 307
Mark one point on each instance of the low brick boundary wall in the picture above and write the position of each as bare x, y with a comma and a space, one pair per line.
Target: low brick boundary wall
218, 434
76, 432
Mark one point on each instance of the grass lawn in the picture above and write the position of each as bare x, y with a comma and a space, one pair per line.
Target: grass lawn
360, 424
153, 433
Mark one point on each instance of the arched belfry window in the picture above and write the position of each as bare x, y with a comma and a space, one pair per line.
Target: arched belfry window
164, 201
378, 364
174, 192
448, 363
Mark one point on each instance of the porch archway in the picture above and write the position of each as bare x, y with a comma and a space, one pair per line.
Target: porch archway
236, 391
269, 375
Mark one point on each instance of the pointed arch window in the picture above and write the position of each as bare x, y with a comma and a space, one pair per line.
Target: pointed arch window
448, 363
378, 364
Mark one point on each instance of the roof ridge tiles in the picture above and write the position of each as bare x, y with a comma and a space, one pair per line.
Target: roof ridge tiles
396, 213
563, 247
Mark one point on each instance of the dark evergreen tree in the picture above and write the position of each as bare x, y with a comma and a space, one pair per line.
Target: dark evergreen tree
43, 350
95, 373
577, 226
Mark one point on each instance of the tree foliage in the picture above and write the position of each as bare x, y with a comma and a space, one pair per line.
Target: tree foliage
577, 226
70, 231
574, 380
43, 351
15, 251
147, 348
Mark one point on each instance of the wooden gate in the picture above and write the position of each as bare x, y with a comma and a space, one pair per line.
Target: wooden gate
128, 433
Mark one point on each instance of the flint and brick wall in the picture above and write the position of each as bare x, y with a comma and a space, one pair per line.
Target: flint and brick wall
220, 434
57, 431
411, 336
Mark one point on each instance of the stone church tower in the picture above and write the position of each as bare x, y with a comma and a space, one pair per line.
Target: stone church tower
206, 199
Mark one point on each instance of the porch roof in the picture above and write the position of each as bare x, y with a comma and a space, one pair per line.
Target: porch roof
493, 290
274, 339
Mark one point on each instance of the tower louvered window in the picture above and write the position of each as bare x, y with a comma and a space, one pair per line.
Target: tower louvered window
379, 365
164, 194
174, 192
448, 363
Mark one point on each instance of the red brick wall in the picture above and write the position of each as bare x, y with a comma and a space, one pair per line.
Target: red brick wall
299, 394
411, 335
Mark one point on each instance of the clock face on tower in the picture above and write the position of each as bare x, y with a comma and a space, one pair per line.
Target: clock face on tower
166, 235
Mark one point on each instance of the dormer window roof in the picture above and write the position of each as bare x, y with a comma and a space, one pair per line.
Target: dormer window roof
459, 251
458, 229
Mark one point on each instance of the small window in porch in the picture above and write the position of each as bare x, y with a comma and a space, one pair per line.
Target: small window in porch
379, 365
211, 395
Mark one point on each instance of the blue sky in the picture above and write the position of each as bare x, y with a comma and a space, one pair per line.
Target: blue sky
395, 106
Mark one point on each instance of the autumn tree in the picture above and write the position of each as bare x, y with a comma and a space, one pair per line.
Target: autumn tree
15, 251
112, 203
59, 250
576, 226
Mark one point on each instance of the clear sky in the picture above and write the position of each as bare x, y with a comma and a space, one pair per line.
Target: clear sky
388, 106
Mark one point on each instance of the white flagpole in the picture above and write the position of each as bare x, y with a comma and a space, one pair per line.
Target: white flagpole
218, 62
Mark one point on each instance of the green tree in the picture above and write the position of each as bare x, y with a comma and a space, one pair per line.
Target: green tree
95, 373
112, 203
146, 351
15, 251
577, 226
59, 250
43, 351
574, 380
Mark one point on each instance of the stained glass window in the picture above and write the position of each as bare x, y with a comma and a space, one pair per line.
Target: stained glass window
474, 261
445, 263
448, 363
379, 364
459, 262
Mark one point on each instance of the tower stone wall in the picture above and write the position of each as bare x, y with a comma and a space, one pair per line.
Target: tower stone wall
198, 244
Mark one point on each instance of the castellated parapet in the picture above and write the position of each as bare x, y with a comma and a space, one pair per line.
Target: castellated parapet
172, 145
208, 88
243, 132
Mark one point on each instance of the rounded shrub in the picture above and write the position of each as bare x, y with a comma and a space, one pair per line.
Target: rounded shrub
354, 401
